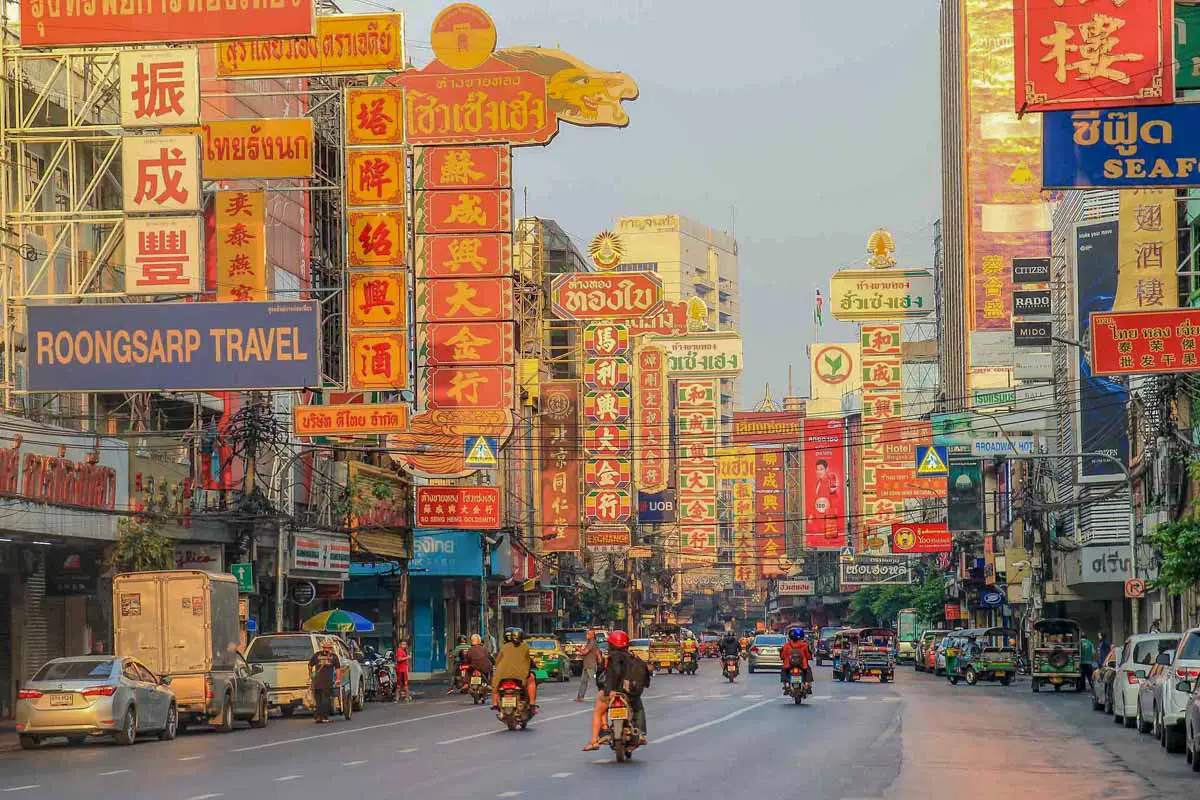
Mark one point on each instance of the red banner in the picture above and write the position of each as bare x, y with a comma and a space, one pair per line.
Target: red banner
1093, 54
1144, 342
560, 472
605, 295
496, 103
469, 387
465, 300
921, 537
766, 427
484, 167
669, 320
476, 508
464, 256
769, 512
461, 343
824, 484
469, 211
651, 411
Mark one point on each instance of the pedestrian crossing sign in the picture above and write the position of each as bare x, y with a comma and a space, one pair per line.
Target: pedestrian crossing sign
480, 452
931, 461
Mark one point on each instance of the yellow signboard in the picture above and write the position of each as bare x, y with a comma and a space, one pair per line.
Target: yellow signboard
342, 44
1147, 251
735, 463
234, 149
875, 295
241, 245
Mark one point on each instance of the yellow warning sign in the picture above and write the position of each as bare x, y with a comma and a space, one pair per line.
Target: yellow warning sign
931, 462
480, 453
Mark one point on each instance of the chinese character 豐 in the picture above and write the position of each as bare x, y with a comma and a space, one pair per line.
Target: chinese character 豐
162, 256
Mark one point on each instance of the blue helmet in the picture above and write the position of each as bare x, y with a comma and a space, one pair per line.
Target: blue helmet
796, 634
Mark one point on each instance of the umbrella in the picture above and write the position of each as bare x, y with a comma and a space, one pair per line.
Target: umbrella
339, 621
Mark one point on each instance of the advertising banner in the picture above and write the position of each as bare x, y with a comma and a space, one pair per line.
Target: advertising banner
436, 108
1030, 270
163, 255
651, 412
357, 419
657, 508
703, 355
608, 538
921, 537
766, 427
374, 116
1100, 398
874, 570
599, 295
240, 244
1145, 342
669, 320
770, 512
343, 44
824, 485
160, 173
882, 396
1147, 147
375, 177
836, 370
696, 402
608, 496
73, 24
459, 507
378, 361
454, 256
1147, 251
160, 88
872, 295
560, 456
173, 346
241, 149
465, 343
964, 490
1094, 55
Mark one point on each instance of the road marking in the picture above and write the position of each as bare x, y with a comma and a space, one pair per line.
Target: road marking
561, 775
710, 723
505, 730
822, 697
207, 796
683, 696
285, 778
716, 696
114, 772
857, 697
192, 758
352, 763
752, 696
409, 750
510, 794
23, 788
360, 729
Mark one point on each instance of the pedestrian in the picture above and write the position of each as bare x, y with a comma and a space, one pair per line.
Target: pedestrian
1087, 660
323, 667
1105, 646
1154, 628
401, 656
591, 660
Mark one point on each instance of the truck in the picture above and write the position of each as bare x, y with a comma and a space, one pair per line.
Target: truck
908, 631
184, 623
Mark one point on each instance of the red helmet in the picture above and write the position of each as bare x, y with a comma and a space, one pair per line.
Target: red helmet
618, 639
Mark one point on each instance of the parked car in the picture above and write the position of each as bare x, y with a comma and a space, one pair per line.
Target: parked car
939, 658
824, 650
1103, 680
1160, 696
765, 652
1191, 727
1137, 658
284, 658
94, 696
924, 654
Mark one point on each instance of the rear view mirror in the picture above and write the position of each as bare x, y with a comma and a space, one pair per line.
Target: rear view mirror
1140, 674
1184, 686
256, 669
1164, 658
165, 680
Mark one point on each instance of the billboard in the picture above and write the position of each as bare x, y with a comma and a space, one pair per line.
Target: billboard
352, 419
1101, 399
560, 456
766, 427
343, 43
1145, 342
836, 370
453, 255
612, 295
882, 397
656, 508
703, 355
1093, 55
873, 295
1122, 148
1147, 251
874, 570
921, 537
770, 514
160, 173
696, 405
459, 507
964, 491
824, 485
173, 346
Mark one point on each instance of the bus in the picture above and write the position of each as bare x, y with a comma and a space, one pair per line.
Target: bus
907, 632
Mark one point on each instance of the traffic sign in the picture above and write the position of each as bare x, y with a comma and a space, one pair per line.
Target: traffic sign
1135, 587
245, 576
480, 452
847, 552
931, 461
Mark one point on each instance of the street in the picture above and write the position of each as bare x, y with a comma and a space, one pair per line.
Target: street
919, 737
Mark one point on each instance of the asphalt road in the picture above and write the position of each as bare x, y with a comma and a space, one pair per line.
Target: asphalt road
918, 738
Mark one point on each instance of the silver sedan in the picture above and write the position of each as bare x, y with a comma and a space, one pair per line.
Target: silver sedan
95, 695
765, 651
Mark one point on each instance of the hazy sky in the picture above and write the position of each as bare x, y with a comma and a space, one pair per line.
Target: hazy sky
814, 122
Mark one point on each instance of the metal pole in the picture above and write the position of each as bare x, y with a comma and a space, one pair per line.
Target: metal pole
280, 542
483, 588
1135, 604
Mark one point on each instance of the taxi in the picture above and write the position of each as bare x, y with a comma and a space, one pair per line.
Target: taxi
640, 648
550, 661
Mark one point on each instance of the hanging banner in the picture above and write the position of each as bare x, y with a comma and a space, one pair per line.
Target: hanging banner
469, 343
476, 256
465, 300
824, 484
882, 392
1145, 342
481, 167
745, 551
264, 149
376, 238
160, 88
769, 512
378, 361
874, 295
374, 116
560, 456
469, 387
1147, 251
467, 211
651, 412
1093, 55
766, 427
608, 496
375, 177
696, 404
240, 219
342, 44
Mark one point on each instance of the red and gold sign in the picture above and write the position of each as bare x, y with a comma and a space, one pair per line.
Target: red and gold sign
1093, 54
606, 338
496, 103
1145, 342
472, 211
921, 537
607, 506
651, 412
469, 343
376, 238
378, 361
882, 362
463, 36
606, 373
476, 508
469, 387
483, 167
606, 406
374, 116
609, 538
240, 245
611, 439
607, 473
354, 419
559, 458
343, 43
238, 149
375, 177
377, 300
466, 300
669, 320
433, 444
766, 427
769, 512
611, 295
466, 256
697, 403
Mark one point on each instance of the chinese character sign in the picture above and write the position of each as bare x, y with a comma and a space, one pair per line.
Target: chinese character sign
745, 551
375, 177
163, 255
467, 300
1147, 251
160, 173
374, 116
469, 387
378, 361
652, 414
240, 245
473, 211
769, 514
696, 402
1093, 53
824, 485
474, 343
481, 167
607, 402
1145, 342
882, 383
560, 458
377, 299
376, 239
160, 88
464, 256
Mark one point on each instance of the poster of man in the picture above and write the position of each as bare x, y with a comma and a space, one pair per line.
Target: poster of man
824, 484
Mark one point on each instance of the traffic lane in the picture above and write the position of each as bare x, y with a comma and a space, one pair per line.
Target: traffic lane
996, 741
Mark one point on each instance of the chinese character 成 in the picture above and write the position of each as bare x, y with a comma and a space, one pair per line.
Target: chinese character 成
161, 179
158, 90
467, 211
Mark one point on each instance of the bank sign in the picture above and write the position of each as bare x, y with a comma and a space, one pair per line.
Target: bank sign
173, 346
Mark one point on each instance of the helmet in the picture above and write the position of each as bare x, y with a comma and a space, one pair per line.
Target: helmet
462, 639
476, 639
618, 639
796, 634
513, 635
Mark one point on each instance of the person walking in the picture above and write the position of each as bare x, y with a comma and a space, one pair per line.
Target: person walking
401, 656
1105, 646
323, 668
591, 660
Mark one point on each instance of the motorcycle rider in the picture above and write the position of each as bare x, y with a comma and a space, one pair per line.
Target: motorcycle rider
514, 662
479, 658
730, 646
458, 656
795, 646
625, 673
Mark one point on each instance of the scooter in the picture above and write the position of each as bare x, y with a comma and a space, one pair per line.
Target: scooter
730, 667
514, 705
624, 736
462, 677
479, 687
796, 686
689, 664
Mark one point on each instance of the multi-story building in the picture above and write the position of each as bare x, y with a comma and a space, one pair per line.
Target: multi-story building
693, 260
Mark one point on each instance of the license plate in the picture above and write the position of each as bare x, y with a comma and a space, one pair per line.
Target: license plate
508, 702
1056, 679
618, 713
61, 699
874, 672
477, 681
797, 680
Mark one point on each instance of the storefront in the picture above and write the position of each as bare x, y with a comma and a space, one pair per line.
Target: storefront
381, 546
318, 569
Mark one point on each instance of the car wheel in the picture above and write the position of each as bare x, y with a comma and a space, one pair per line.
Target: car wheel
1160, 730
29, 742
127, 735
259, 720
225, 724
360, 699
1195, 754
1172, 738
287, 711
172, 727
1142, 725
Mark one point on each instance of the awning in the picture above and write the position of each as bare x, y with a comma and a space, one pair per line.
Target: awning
387, 544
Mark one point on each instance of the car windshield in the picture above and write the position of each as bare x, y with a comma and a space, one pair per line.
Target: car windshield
1191, 648
268, 649
1147, 650
75, 670
541, 644
576, 637
829, 634
770, 641
640, 643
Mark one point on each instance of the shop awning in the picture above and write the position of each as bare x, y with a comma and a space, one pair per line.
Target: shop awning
387, 544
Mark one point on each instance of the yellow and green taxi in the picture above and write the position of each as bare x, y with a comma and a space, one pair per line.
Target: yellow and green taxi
640, 648
550, 662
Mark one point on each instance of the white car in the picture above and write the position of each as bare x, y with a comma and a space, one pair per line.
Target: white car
1104, 681
939, 660
1137, 658
1162, 700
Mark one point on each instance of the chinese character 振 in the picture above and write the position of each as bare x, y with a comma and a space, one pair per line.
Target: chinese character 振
159, 90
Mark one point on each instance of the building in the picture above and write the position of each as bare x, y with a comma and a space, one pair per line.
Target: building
693, 260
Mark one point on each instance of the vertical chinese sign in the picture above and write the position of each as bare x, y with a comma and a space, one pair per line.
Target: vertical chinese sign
696, 403
1147, 251
745, 554
825, 484
240, 242
608, 478
651, 401
882, 384
560, 467
376, 237
769, 516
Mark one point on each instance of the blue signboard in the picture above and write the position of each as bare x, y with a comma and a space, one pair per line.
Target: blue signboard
173, 346
657, 508
451, 553
1146, 146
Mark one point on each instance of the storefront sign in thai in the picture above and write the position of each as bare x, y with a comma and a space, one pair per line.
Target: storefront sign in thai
766, 427
703, 355
881, 295
360, 419
239, 149
343, 44
921, 537
459, 507
1122, 148
613, 295
874, 570
1145, 342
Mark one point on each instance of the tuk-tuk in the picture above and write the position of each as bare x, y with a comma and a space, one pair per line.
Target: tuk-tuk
1054, 656
876, 653
665, 649
986, 654
841, 646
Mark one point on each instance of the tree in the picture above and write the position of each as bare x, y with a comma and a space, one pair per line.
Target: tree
1178, 546
140, 547
879, 605
593, 605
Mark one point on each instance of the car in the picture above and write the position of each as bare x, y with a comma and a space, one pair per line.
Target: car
284, 658
640, 648
939, 658
1191, 727
549, 659
1137, 658
923, 655
765, 651
824, 638
94, 696
1103, 680
1160, 697
573, 640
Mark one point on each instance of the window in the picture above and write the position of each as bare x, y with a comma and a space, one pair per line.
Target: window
130, 672
271, 649
146, 674
1191, 648
75, 670
1147, 650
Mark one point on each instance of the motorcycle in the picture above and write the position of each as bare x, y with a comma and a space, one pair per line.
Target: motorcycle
730, 667
688, 665
796, 686
479, 687
514, 705
462, 677
381, 677
624, 736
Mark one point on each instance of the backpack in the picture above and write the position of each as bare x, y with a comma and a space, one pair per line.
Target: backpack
636, 677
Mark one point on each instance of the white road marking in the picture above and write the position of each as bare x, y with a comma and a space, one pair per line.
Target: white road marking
857, 697
23, 788
510, 794
822, 697
561, 775
409, 750
114, 772
752, 696
352, 763
682, 697
710, 723
192, 758
285, 778
716, 696
360, 729
505, 730
207, 796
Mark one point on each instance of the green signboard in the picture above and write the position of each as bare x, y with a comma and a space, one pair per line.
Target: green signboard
1187, 46
245, 577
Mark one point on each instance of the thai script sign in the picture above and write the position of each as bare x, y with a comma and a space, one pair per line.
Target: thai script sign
343, 43
795, 587
457, 256
1093, 54
560, 456
873, 570
238, 149
461, 507
160, 88
881, 295
160, 173
486, 166
1145, 342
921, 537
614, 295
173, 346
51, 23
669, 320
500, 104
1128, 147
703, 355
163, 255
240, 245
57, 479
359, 419
766, 427
1147, 251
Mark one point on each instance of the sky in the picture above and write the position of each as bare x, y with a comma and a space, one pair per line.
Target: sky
800, 125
